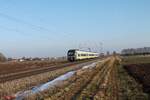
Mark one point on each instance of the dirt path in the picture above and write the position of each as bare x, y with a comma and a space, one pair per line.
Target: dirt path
99, 83
109, 86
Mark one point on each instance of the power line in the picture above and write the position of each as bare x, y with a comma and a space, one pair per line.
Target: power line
35, 27
32, 26
11, 29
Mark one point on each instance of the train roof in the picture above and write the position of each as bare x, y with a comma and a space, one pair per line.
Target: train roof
81, 50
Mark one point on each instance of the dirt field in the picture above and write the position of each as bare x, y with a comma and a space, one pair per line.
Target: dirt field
12, 87
108, 80
139, 68
14, 67
129, 88
98, 83
16, 70
141, 72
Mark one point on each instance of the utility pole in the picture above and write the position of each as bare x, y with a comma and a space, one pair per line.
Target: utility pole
101, 47
89, 49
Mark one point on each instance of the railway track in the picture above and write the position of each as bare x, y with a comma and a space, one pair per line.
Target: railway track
22, 74
25, 66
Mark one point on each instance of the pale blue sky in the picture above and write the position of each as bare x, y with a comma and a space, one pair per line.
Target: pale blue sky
51, 27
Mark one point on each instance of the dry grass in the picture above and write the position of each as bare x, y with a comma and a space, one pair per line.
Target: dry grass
85, 84
71, 88
135, 59
10, 88
89, 84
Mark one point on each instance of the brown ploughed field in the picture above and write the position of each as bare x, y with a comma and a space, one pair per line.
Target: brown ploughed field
139, 68
13, 67
141, 72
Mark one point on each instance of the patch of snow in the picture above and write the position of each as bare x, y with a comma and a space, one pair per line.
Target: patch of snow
89, 66
53, 82
21, 95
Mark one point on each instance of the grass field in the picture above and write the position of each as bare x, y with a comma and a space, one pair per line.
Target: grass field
135, 59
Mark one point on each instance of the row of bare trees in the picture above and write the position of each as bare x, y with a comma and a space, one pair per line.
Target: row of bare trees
136, 51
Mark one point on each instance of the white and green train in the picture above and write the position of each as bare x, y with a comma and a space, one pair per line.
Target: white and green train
76, 54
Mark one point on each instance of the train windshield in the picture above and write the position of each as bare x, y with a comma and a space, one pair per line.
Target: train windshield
71, 52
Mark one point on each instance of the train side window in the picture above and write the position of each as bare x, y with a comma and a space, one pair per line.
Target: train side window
83, 54
79, 55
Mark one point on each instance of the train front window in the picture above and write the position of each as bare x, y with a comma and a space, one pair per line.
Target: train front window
71, 53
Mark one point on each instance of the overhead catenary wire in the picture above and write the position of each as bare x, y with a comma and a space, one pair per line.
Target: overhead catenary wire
13, 29
33, 26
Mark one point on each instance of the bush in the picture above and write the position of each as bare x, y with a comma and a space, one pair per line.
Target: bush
2, 58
